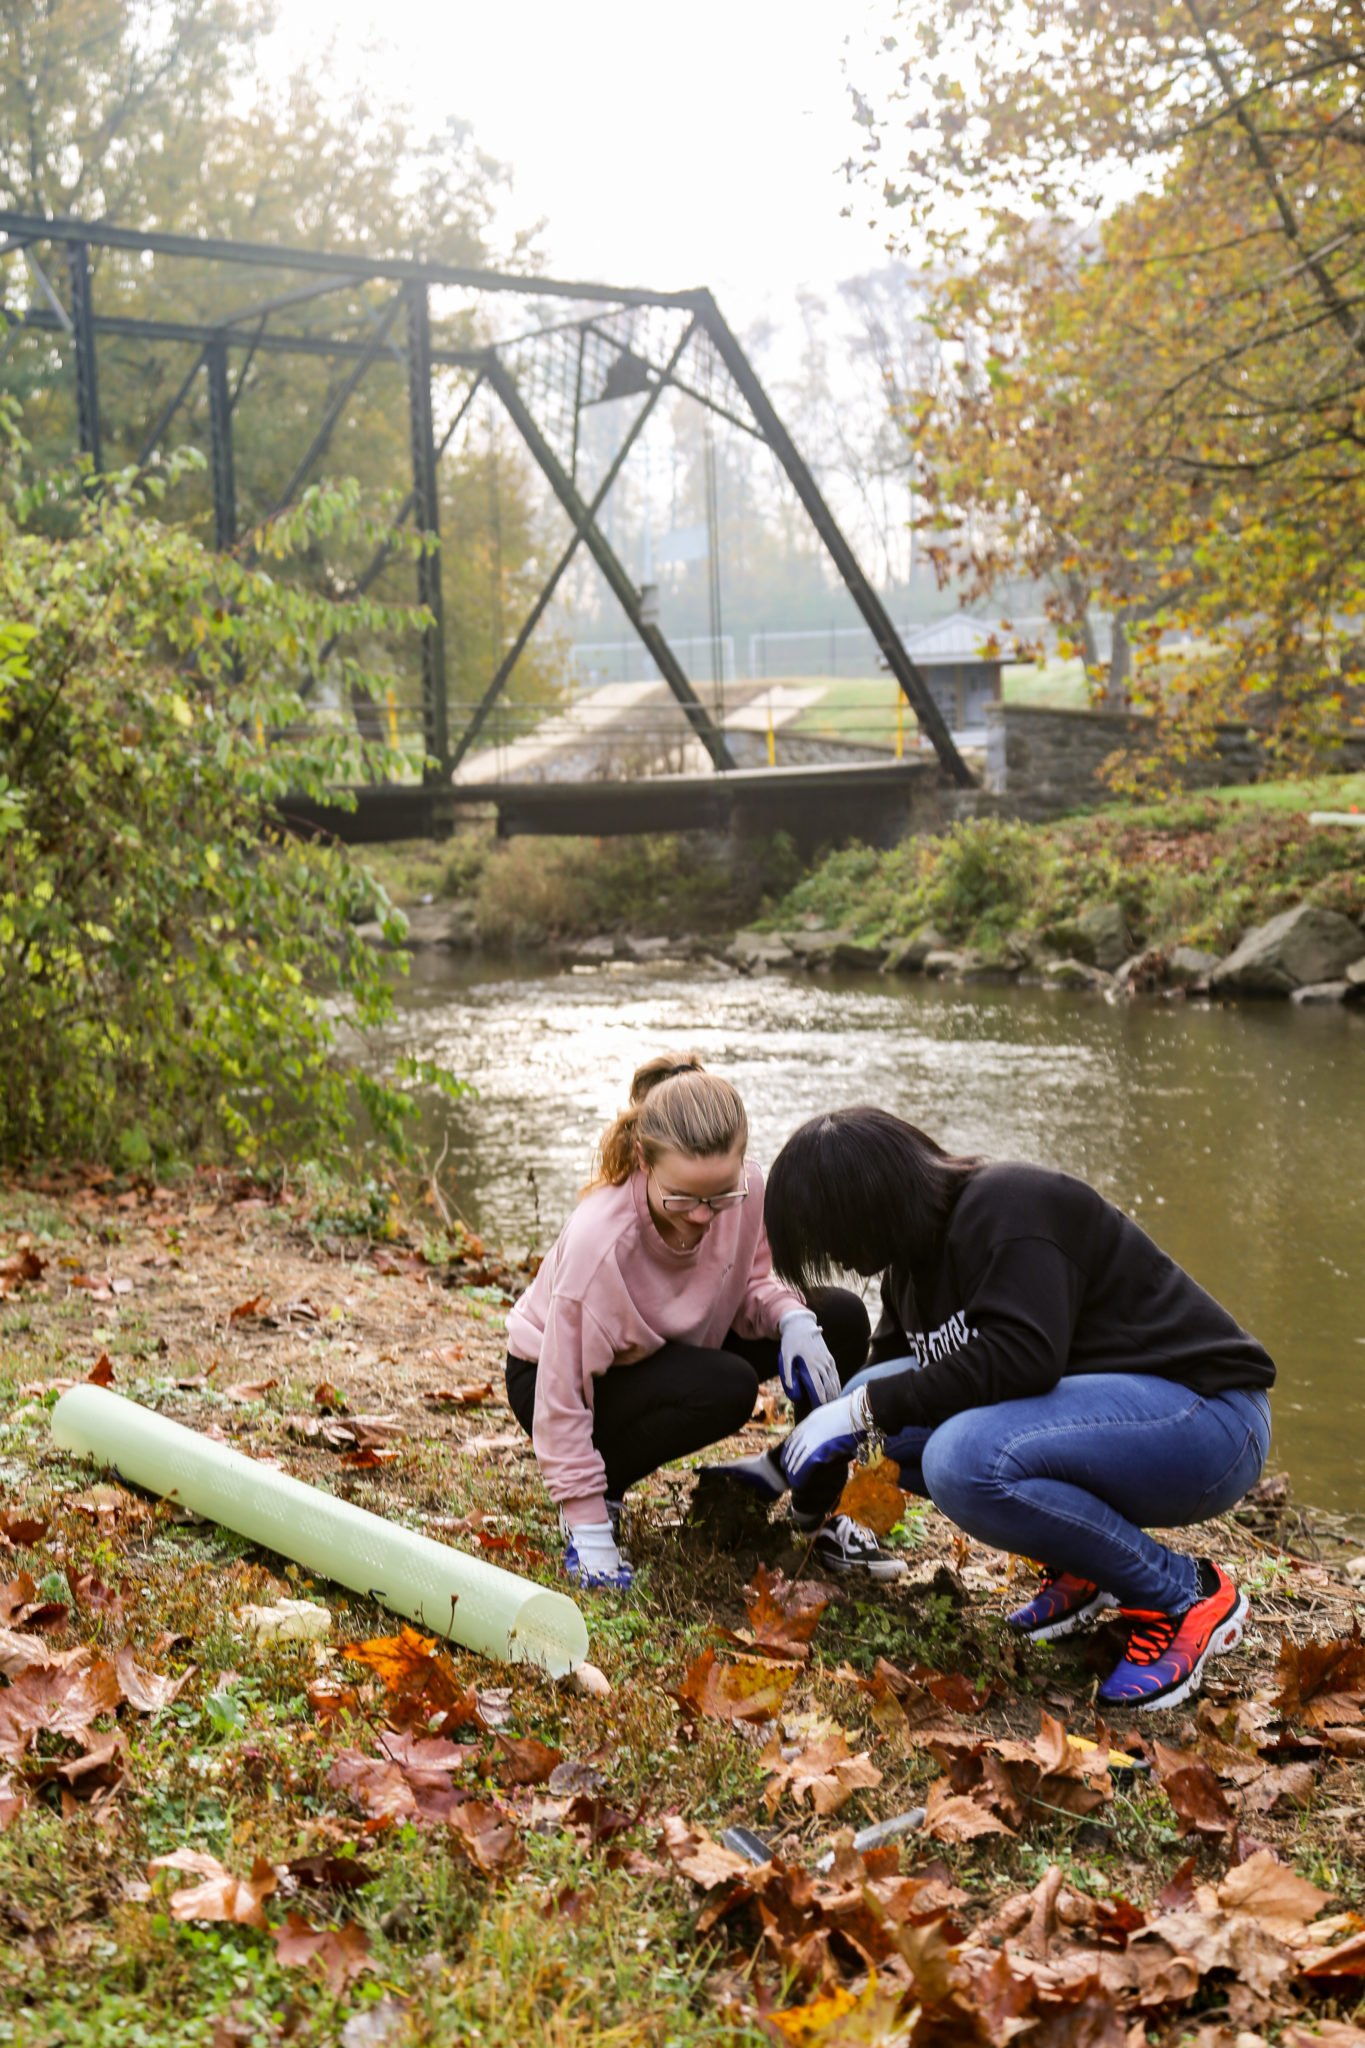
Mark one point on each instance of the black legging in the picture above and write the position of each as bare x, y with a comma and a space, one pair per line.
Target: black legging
683, 1397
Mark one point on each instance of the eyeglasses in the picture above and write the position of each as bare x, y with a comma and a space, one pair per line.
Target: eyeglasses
682, 1205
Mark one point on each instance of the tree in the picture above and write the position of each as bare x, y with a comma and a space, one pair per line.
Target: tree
182, 977
158, 117
1149, 221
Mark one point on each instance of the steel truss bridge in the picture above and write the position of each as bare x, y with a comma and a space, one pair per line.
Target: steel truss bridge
587, 343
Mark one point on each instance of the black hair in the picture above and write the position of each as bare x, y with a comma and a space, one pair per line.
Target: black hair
859, 1190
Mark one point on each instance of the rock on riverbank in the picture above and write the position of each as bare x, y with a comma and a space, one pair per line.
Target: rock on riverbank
1307, 953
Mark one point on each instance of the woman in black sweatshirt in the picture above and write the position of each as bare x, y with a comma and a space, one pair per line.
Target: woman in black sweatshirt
1048, 1376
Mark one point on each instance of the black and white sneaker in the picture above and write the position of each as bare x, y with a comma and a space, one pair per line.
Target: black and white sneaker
843, 1545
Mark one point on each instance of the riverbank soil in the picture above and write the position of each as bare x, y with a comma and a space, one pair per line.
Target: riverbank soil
216, 1830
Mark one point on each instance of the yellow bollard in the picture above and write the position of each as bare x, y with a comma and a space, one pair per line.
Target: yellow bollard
772, 736
900, 723
393, 721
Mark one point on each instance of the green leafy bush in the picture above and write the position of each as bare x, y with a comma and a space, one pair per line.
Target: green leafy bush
176, 975
1200, 872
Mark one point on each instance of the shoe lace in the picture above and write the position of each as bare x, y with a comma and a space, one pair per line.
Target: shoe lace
1151, 1637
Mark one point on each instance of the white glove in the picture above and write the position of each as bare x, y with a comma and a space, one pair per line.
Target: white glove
591, 1557
805, 1364
834, 1431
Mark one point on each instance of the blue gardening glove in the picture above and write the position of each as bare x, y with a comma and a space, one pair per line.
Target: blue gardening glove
833, 1431
804, 1361
591, 1557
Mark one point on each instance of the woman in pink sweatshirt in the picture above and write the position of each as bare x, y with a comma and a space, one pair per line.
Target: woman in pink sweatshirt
648, 1328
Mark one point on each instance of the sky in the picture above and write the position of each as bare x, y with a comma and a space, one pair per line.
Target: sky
672, 146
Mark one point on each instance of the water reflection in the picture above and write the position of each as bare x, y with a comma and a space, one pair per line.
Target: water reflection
1232, 1135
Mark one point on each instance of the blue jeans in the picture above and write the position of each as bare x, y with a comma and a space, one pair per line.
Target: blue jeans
1072, 1477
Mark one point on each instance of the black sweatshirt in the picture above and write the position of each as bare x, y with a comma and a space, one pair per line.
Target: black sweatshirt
1037, 1277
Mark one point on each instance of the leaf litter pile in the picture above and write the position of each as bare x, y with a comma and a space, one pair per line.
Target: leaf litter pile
238, 1805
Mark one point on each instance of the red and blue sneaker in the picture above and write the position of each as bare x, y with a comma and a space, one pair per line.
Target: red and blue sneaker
1062, 1603
1166, 1653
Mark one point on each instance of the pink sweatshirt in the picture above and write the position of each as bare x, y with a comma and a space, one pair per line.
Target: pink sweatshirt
611, 1293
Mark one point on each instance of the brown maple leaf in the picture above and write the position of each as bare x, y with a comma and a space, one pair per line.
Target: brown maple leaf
957, 1816
824, 1772
57, 1699
782, 1617
694, 1852
524, 1760
459, 1397
418, 1681
339, 1953
218, 1895
732, 1692
488, 1835
144, 1690
1322, 1682
1196, 1798
22, 1530
873, 1496
412, 1780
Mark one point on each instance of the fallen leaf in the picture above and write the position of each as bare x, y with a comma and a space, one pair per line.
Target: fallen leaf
1345, 1960
459, 1397
875, 2017
219, 1895
257, 1306
101, 1373
693, 1851
331, 1700
143, 1690
519, 1546
733, 1692
56, 1700
955, 1817
340, 1953
524, 1760
97, 1598
824, 1772
333, 1873
12, 1801
488, 1835
1322, 1682
21, 1268
782, 1617
23, 1530
873, 1496
418, 1681
288, 1620
1195, 1796
1275, 1894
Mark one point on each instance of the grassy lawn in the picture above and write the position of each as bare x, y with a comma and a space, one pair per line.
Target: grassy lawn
864, 707
387, 1841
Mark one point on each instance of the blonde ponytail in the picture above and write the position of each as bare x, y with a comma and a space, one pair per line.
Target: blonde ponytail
675, 1106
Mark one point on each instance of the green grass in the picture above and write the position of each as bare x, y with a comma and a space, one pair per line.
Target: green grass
1057, 685
1304, 793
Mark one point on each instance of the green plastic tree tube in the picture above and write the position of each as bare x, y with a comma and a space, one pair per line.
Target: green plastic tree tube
441, 1589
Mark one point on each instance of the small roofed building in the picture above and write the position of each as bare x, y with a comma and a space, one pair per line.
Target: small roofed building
961, 659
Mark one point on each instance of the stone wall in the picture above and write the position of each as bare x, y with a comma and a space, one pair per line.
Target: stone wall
1043, 761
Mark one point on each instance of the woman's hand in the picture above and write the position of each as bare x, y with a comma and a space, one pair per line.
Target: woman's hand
591, 1557
833, 1431
805, 1364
